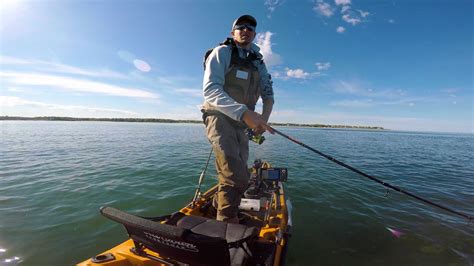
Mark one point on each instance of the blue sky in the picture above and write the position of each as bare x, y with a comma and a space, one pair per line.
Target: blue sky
403, 65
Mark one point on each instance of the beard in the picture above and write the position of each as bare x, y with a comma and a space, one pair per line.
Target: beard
243, 41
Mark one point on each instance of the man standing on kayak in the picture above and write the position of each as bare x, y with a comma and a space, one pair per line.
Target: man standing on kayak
235, 76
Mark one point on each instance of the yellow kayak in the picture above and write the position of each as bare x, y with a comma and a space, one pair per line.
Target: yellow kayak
192, 236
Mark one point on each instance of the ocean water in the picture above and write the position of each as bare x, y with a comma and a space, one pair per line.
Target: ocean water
54, 176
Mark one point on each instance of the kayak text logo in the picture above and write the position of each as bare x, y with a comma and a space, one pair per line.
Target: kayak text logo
172, 243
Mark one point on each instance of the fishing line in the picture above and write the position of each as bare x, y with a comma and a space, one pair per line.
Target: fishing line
470, 218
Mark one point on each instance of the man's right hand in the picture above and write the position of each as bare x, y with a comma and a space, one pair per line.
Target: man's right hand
256, 122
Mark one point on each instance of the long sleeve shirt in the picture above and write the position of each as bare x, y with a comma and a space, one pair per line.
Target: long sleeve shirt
217, 66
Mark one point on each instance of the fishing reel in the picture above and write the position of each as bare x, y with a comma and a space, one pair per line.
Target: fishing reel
259, 139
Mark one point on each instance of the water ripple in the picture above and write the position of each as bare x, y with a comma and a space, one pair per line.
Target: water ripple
56, 175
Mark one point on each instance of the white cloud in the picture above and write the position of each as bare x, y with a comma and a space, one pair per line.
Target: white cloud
8, 60
287, 113
272, 4
353, 103
22, 90
363, 14
323, 66
182, 112
340, 29
61, 68
409, 101
352, 17
264, 41
47, 109
8, 101
166, 80
342, 2
297, 73
349, 15
344, 9
450, 90
347, 87
48, 66
323, 8
73, 84
359, 88
368, 97
190, 92
351, 20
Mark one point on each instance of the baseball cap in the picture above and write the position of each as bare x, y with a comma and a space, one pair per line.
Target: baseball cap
248, 18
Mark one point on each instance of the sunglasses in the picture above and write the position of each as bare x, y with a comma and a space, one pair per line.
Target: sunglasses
242, 27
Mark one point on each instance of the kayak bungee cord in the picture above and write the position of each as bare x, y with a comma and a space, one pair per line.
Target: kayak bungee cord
201, 178
470, 218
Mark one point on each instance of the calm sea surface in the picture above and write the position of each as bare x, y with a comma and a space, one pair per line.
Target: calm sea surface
54, 176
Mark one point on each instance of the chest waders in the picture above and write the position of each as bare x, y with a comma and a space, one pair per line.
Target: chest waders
242, 81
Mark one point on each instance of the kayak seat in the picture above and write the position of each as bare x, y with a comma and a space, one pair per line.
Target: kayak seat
193, 240
238, 236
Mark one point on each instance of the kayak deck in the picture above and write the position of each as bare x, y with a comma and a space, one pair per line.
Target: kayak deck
193, 236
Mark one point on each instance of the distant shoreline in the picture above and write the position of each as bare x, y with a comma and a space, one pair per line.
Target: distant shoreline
162, 120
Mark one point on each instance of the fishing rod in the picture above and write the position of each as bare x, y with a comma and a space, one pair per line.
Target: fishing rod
470, 218
197, 194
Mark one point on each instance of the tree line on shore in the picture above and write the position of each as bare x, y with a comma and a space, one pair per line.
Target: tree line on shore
162, 120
